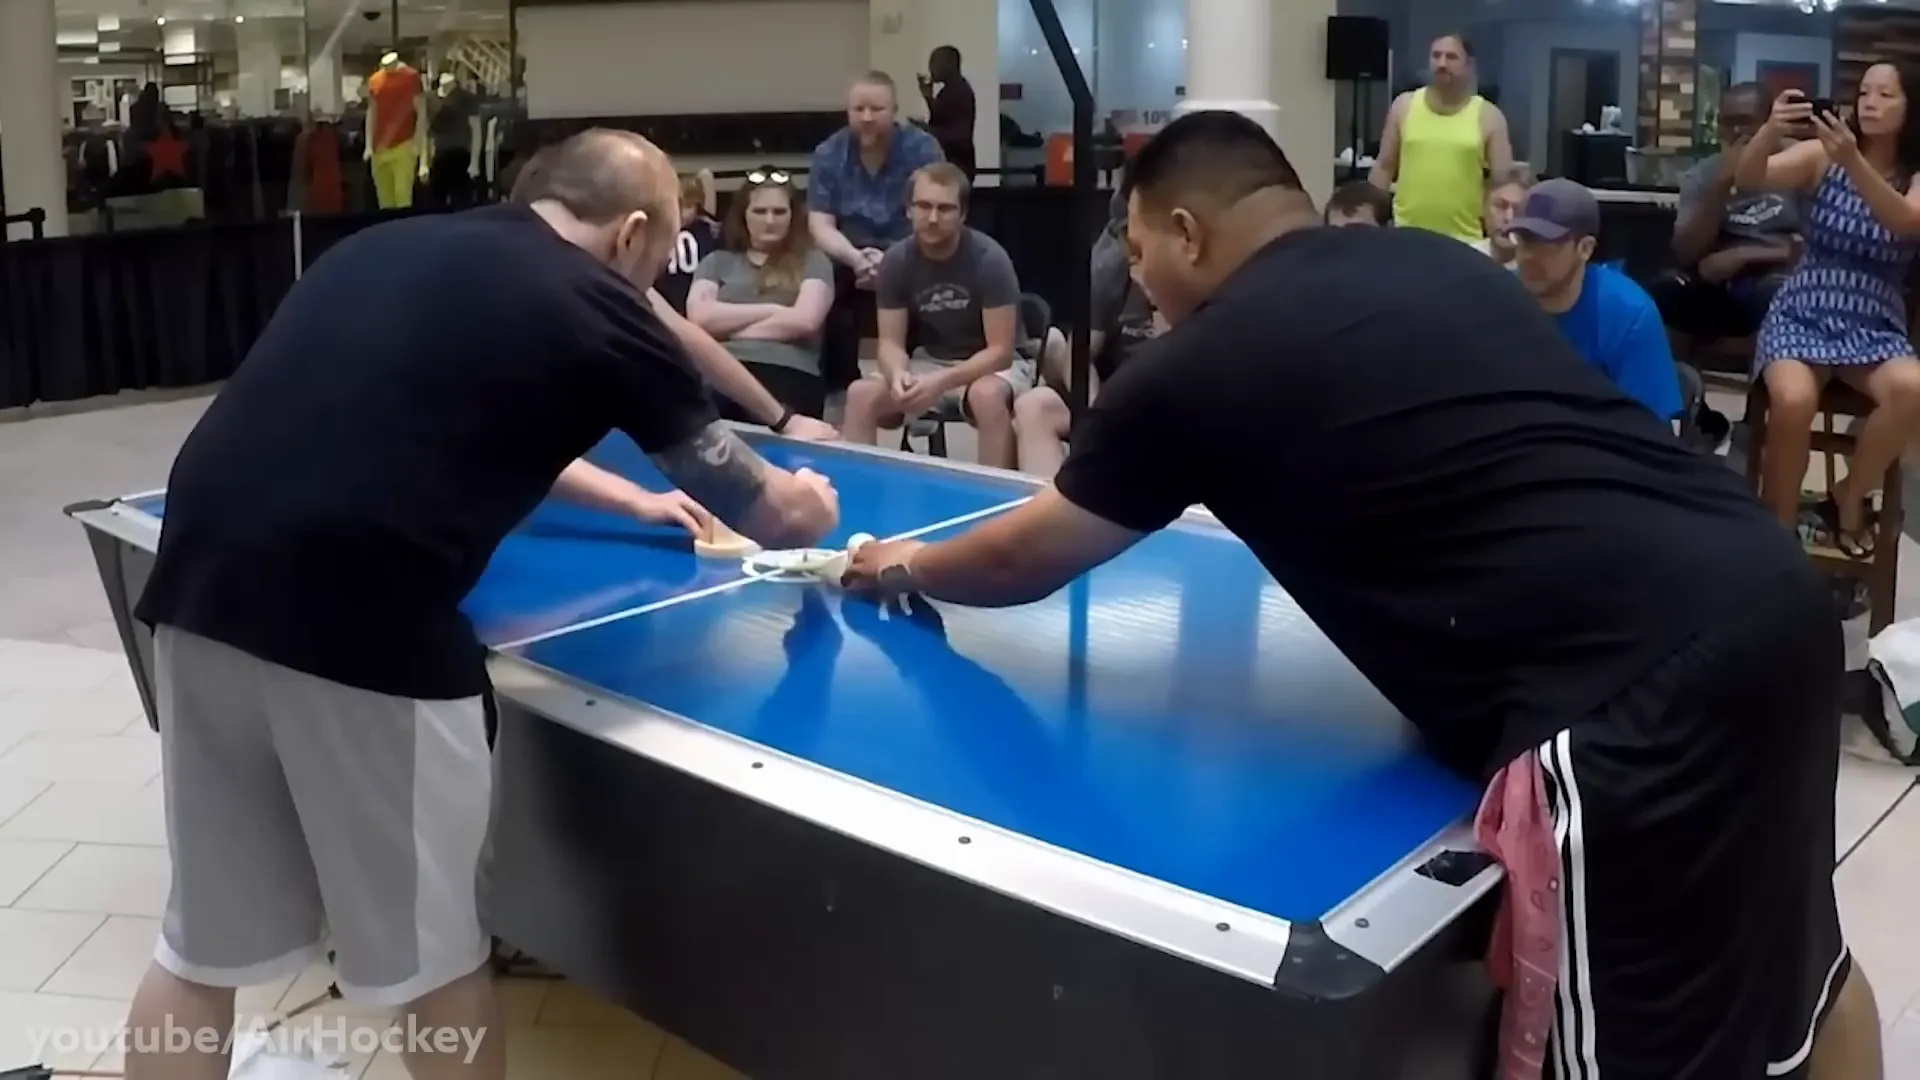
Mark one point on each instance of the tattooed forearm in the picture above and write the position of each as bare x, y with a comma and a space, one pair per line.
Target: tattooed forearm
718, 470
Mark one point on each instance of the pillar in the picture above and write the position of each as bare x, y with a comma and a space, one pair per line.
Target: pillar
30, 105
1306, 123
325, 95
323, 83
1230, 61
259, 67
1249, 55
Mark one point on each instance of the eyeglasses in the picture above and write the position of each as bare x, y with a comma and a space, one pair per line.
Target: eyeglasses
769, 176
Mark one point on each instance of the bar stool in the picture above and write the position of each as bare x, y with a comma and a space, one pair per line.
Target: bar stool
1880, 570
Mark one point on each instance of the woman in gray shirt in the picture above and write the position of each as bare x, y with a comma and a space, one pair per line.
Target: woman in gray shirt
766, 294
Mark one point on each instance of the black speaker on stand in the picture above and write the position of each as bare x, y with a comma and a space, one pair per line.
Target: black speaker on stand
1359, 51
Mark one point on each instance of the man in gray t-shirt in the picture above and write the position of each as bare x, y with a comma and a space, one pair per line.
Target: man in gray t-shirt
944, 297
952, 293
1733, 247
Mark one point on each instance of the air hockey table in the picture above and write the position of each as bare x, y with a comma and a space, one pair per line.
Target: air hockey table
1155, 826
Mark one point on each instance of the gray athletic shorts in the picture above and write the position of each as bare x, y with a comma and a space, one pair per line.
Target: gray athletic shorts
304, 816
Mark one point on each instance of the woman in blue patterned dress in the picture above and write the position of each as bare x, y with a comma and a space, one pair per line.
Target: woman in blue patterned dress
1842, 313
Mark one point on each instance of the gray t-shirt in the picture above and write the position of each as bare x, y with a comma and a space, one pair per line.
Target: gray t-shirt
1763, 217
1108, 263
1126, 329
739, 282
451, 126
943, 298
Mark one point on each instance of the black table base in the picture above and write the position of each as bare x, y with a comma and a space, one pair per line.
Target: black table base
794, 953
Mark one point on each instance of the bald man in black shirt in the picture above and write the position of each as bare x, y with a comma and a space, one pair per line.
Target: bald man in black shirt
320, 694
1553, 589
950, 106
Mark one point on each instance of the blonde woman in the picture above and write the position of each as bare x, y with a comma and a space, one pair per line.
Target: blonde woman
766, 293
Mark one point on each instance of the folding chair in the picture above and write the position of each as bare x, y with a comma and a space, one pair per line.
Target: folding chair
1035, 320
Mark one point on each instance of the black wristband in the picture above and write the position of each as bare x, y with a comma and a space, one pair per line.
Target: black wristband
780, 426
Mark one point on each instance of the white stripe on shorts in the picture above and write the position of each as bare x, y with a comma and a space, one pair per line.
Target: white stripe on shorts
1799, 1057
1574, 1020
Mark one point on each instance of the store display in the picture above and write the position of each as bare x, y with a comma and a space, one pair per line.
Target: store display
396, 131
454, 137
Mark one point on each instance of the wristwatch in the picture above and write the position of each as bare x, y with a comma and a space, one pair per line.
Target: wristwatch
780, 426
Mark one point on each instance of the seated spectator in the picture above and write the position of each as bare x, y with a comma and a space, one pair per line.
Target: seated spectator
699, 236
1123, 319
856, 200
1734, 248
1842, 312
1506, 190
766, 295
951, 290
1041, 419
1359, 203
1608, 319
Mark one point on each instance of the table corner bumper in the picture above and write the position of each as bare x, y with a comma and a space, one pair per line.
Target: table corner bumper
1319, 968
86, 506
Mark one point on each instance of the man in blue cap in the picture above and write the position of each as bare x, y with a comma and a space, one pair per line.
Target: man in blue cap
1604, 315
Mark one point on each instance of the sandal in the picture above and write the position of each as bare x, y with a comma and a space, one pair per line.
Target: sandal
1854, 545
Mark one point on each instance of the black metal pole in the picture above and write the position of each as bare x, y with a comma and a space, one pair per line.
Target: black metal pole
1086, 223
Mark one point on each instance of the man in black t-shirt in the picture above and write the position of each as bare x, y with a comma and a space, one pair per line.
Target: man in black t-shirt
319, 692
1565, 600
950, 106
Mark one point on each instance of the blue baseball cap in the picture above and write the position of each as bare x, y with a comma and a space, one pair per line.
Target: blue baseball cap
1557, 210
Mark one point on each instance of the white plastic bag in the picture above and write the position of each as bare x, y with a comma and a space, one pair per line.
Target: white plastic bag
1891, 714
258, 1055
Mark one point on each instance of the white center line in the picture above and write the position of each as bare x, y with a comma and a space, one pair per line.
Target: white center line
727, 586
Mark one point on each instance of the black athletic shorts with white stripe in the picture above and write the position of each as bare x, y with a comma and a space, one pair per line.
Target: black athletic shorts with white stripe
1694, 816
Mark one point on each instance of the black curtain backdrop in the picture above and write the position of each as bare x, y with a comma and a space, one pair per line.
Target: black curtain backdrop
91, 315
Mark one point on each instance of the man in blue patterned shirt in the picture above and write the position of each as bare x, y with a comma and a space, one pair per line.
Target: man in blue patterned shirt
857, 208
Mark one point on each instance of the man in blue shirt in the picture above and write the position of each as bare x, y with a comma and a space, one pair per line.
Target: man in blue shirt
1607, 318
857, 209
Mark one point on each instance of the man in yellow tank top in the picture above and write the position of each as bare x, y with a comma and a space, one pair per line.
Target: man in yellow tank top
1439, 144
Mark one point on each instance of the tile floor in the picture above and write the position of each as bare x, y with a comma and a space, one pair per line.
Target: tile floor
83, 861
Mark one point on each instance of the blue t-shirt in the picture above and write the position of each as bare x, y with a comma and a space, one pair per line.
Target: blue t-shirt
870, 208
1615, 327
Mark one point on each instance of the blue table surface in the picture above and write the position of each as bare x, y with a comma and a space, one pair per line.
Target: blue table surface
1172, 713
